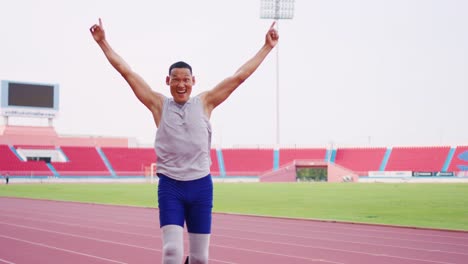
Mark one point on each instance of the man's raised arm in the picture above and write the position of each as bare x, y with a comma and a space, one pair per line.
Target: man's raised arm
222, 91
151, 99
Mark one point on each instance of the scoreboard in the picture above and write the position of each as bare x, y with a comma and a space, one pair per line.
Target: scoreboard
29, 99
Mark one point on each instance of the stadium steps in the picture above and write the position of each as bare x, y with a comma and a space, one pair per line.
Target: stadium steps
385, 159
15, 152
333, 156
222, 169
54, 171
106, 161
276, 159
459, 160
328, 155
448, 160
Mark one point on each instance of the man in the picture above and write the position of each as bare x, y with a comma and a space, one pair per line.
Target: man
183, 143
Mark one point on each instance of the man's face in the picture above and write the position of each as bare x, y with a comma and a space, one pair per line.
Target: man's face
180, 81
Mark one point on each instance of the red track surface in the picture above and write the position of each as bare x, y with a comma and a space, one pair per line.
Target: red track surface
38, 231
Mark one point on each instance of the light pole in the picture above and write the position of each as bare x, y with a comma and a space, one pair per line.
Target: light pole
277, 9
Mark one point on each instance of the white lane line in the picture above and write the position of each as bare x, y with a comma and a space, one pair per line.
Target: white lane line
331, 249
287, 224
62, 249
6, 261
281, 255
151, 223
145, 248
156, 229
79, 236
358, 252
86, 237
358, 236
76, 208
256, 240
86, 226
279, 222
288, 233
260, 234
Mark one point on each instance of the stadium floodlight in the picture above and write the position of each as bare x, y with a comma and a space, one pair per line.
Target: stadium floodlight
277, 9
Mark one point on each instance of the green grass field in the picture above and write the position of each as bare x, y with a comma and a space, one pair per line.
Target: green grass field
420, 205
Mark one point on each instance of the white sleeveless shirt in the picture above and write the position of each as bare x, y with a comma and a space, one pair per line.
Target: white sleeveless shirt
183, 140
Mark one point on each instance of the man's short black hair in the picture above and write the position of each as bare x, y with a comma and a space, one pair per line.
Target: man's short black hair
180, 64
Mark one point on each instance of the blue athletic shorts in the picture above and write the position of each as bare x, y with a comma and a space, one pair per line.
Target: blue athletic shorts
191, 201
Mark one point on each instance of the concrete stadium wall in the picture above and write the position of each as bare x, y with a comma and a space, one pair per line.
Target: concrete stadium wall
47, 136
286, 173
337, 173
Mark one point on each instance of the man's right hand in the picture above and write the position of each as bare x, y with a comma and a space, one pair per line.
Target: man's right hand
98, 31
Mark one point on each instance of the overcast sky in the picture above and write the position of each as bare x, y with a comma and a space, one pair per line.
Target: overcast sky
355, 73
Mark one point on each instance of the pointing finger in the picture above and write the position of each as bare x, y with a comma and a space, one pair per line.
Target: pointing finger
273, 25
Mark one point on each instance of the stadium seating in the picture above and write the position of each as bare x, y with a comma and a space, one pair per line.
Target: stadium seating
360, 160
11, 164
425, 159
288, 155
133, 161
129, 161
82, 161
88, 156
247, 162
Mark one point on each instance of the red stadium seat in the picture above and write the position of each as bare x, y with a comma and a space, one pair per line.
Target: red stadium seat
11, 164
428, 159
83, 161
247, 162
360, 160
130, 161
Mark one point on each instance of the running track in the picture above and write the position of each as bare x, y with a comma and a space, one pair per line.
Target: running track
39, 231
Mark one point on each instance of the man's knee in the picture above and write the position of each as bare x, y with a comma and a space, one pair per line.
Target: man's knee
173, 244
172, 250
